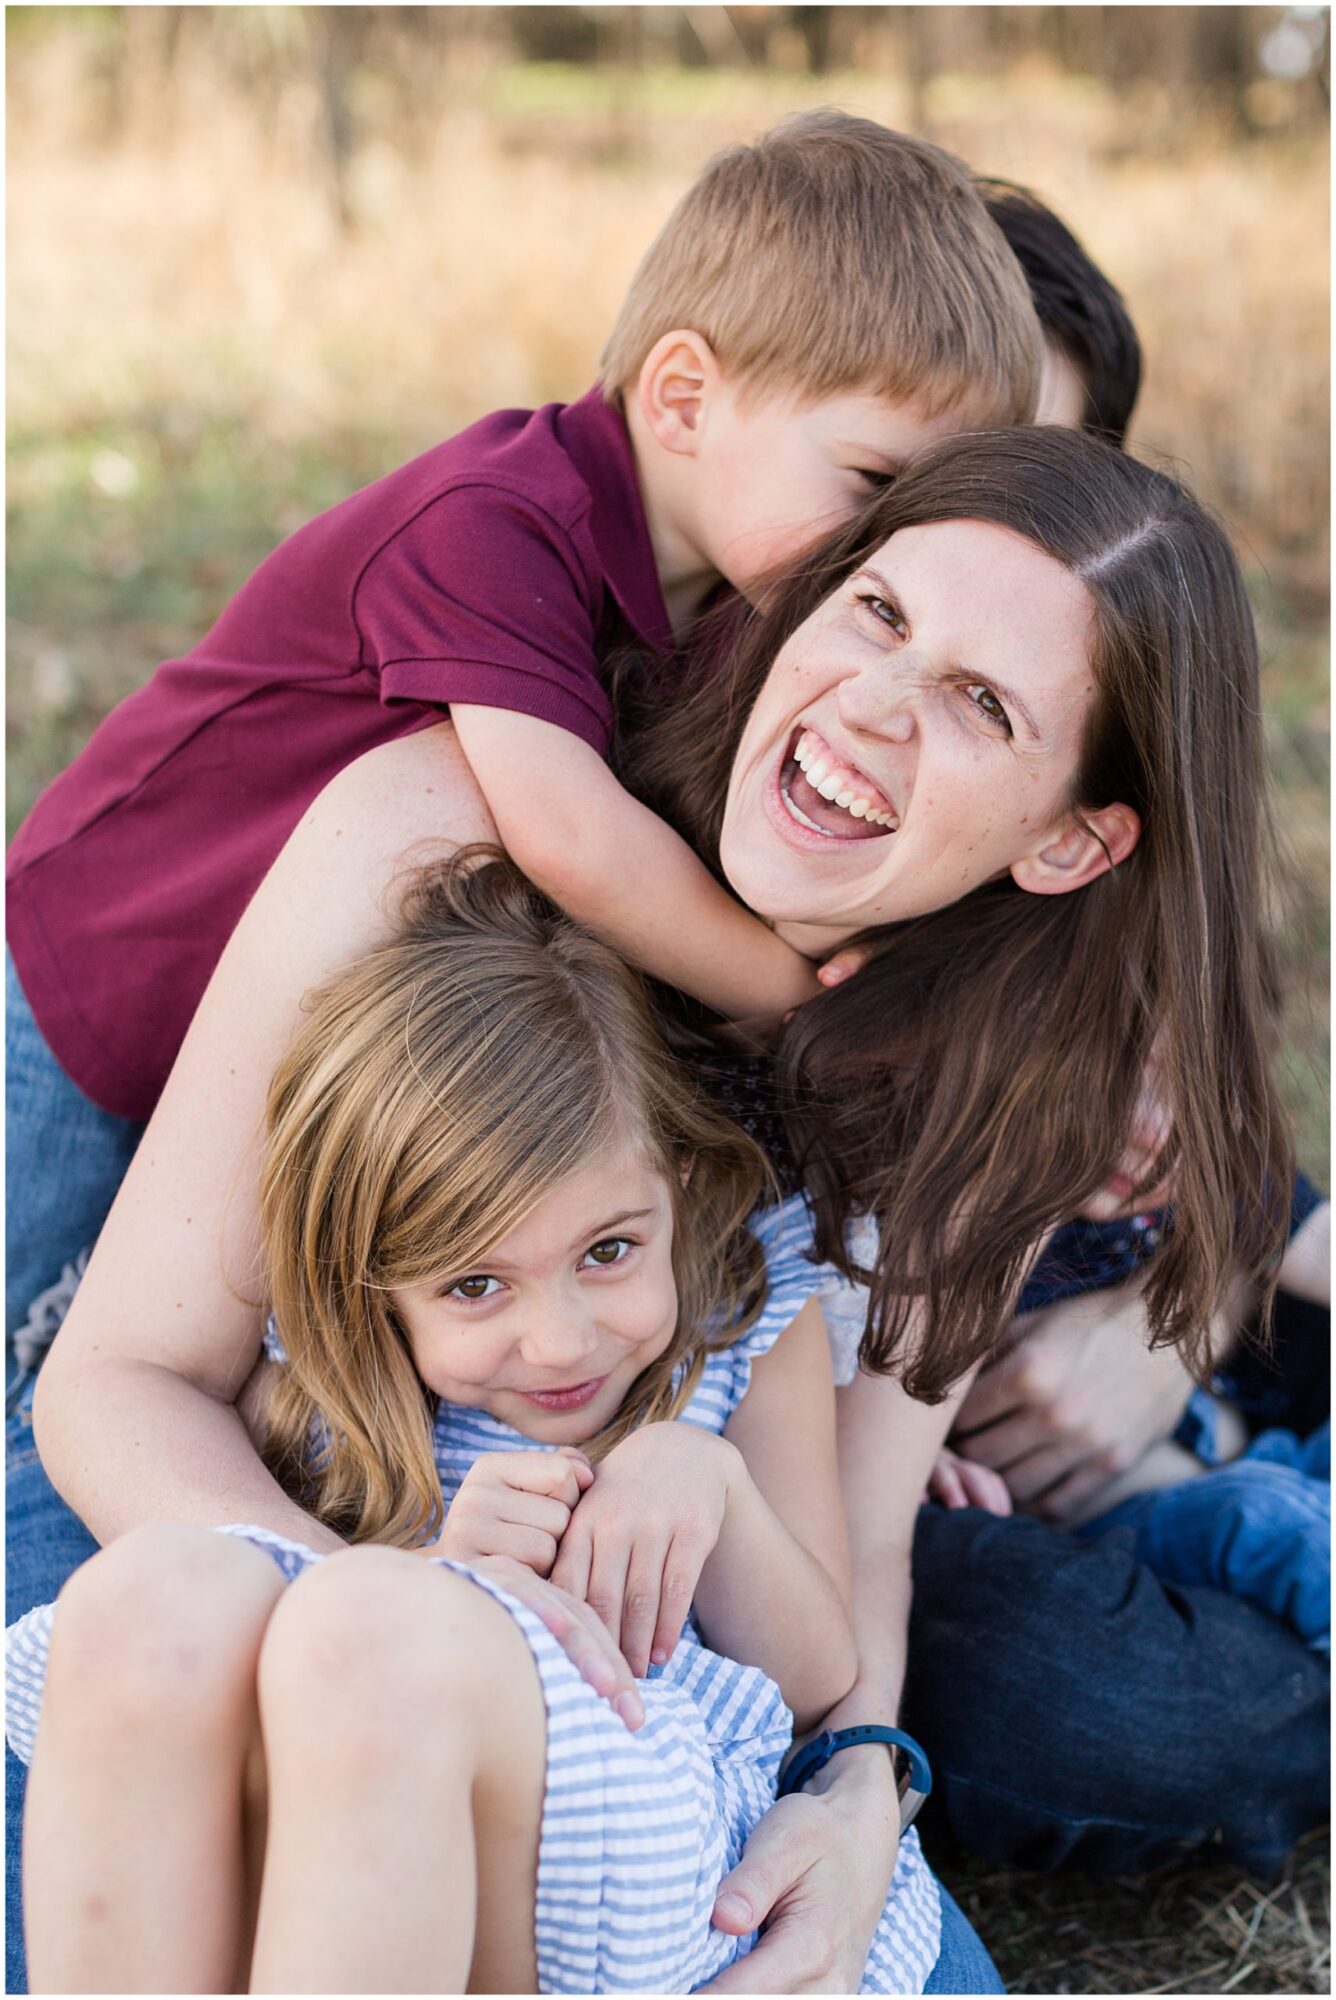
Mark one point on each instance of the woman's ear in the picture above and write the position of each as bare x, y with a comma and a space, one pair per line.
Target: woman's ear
677, 378
1084, 846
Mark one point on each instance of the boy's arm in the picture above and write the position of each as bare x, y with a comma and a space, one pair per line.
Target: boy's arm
615, 866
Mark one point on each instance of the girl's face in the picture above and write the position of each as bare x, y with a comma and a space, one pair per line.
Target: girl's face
550, 1329
916, 737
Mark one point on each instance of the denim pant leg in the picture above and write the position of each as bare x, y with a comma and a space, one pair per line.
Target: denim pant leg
64, 1160
1256, 1528
1077, 1709
44, 1543
963, 1964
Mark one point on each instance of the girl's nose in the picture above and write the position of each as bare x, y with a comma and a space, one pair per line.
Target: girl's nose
557, 1340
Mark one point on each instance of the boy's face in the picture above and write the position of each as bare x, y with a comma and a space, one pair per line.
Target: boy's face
775, 476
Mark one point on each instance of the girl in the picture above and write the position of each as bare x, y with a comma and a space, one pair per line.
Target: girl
505, 1249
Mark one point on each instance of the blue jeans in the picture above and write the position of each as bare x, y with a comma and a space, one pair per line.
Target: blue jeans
963, 1965
44, 1543
64, 1160
1258, 1527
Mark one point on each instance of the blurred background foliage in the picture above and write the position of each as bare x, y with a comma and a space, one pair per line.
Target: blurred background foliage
259, 255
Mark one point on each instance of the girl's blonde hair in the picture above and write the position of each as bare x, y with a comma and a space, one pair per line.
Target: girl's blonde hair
438, 1092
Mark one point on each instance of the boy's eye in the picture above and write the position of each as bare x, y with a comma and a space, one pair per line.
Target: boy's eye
886, 613
989, 707
611, 1250
475, 1287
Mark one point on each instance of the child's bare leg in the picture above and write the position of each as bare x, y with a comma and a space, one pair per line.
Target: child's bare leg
405, 1736
132, 1854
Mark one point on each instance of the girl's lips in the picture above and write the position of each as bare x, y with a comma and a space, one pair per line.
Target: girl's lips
573, 1398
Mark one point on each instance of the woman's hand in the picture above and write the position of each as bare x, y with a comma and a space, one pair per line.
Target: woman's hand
578, 1631
958, 1482
815, 1875
515, 1504
1075, 1403
641, 1534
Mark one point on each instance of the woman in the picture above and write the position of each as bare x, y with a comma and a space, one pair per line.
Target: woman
1036, 561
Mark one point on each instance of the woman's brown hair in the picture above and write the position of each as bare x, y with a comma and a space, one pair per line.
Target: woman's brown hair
977, 1080
438, 1091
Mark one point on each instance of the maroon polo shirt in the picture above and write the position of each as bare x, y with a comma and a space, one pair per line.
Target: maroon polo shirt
499, 568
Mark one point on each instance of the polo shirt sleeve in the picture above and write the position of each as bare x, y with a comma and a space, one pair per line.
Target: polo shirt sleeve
484, 597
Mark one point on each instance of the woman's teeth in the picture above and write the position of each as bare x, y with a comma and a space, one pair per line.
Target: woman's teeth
838, 783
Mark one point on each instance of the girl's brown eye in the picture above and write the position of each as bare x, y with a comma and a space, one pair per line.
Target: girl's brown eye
610, 1251
472, 1288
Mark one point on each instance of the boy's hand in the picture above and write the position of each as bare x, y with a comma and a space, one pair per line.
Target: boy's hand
958, 1482
642, 1532
515, 1504
851, 958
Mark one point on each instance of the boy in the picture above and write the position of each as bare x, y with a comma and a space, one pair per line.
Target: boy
767, 371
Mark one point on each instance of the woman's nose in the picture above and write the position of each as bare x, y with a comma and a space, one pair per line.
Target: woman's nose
879, 704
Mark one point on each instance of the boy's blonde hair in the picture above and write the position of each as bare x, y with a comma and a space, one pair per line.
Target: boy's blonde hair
834, 255
438, 1092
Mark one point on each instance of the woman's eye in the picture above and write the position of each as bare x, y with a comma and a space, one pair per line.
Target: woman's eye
887, 614
478, 1287
989, 707
878, 481
610, 1251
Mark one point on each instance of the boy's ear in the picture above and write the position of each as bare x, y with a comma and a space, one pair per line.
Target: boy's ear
1082, 848
677, 378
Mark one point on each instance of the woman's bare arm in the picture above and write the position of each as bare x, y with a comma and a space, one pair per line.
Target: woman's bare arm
135, 1410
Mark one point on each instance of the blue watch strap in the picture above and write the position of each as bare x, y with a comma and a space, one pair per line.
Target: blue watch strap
814, 1756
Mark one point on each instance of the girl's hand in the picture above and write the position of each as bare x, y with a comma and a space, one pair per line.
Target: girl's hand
958, 1482
515, 1504
578, 1631
642, 1532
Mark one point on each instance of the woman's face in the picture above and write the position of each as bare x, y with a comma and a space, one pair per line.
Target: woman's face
940, 693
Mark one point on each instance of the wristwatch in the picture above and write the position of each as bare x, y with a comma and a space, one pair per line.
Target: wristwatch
915, 1781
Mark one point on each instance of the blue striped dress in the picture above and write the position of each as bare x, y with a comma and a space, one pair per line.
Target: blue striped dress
638, 1828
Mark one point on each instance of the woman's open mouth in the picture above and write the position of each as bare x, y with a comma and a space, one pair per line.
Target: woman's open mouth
573, 1398
830, 796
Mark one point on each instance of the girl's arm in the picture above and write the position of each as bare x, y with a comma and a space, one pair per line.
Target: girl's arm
617, 867
817, 1868
747, 1525
135, 1407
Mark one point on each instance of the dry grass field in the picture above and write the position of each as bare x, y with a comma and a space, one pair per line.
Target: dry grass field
202, 354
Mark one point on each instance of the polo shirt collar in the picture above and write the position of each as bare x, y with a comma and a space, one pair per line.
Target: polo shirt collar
598, 443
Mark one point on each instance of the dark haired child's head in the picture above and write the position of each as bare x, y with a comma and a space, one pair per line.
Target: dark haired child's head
486, 1182
1092, 364
820, 305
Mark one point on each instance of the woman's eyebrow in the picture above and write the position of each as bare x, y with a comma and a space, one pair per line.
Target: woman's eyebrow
1008, 694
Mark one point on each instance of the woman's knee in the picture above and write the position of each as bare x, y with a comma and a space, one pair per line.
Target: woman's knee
377, 1641
162, 1630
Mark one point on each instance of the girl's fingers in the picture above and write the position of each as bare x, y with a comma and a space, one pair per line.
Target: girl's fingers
530, 1546
681, 1573
561, 1475
606, 1592
640, 1604
1031, 1478
945, 1485
983, 1488
579, 1634
570, 1572
1069, 1495
533, 1510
